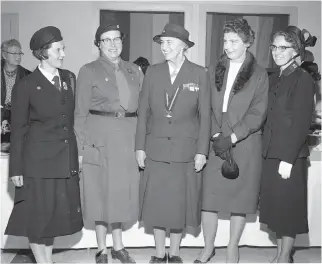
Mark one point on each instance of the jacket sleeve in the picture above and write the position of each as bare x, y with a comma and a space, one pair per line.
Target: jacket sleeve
82, 105
302, 96
143, 112
256, 113
204, 114
19, 126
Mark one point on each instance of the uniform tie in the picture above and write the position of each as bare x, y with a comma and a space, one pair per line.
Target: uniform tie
56, 82
122, 85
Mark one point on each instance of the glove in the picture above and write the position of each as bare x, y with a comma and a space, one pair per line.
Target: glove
221, 144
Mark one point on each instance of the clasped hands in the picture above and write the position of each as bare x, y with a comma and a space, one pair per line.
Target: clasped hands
200, 160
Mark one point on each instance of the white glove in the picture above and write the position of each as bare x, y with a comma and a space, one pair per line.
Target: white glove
284, 169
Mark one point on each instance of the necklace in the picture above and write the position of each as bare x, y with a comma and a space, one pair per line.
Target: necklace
10, 73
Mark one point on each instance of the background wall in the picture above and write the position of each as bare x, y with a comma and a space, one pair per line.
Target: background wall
78, 22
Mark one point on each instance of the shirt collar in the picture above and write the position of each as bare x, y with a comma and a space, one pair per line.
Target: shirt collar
48, 75
172, 69
291, 68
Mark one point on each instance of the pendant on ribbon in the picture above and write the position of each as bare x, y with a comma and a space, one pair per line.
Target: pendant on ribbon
170, 102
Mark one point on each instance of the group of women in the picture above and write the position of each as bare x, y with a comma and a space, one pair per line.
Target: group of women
72, 155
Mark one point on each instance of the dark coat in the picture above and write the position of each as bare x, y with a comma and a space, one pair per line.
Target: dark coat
22, 72
43, 143
290, 108
188, 133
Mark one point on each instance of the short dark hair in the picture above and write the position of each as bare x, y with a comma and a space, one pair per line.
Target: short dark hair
143, 63
242, 29
42, 53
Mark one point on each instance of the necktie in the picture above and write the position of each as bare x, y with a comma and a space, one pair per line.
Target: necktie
56, 82
173, 76
122, 85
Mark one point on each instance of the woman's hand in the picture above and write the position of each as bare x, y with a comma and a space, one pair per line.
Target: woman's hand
140, 158
200, 161
284, 169
17, 180
80, 163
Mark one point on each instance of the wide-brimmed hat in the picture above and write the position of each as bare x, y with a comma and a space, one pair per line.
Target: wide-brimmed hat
174, 31
45, 36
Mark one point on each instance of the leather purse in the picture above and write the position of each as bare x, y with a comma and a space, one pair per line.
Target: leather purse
229, 168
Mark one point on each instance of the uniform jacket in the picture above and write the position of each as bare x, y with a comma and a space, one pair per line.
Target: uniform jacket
22, 72
247, 103
187, 133
97, 90
43, 143
290, 107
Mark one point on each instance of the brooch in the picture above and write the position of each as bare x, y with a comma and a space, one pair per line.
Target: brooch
106, 79
129, 70
65, 86
38, 87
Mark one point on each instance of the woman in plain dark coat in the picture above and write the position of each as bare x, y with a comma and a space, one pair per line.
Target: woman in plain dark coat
239, 101
283, 196
43, 156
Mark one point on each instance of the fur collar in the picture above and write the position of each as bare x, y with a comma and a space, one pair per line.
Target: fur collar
246, 71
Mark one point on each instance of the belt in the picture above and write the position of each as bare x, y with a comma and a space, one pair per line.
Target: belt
113, 114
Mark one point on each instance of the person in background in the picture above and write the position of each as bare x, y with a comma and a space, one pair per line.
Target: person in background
43, 157
143, 63
239, 102
172, 142
105, 121
283, 195
11, 73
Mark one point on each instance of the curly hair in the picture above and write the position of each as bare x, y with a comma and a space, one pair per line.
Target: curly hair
143, 63
242, 29
5, 45
288, 38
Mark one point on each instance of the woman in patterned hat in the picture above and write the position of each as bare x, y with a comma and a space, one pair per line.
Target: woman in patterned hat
283, 196
105, 120
43, 156
172, 142
239, 102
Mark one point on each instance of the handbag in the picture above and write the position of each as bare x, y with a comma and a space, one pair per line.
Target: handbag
229, 168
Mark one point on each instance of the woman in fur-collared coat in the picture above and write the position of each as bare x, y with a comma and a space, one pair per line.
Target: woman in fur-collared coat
239, 101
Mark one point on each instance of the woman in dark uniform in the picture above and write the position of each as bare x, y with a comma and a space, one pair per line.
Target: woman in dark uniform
283, 196
239, 101
105, 121
172, 142
43, 156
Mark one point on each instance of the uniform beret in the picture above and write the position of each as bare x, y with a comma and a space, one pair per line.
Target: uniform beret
44, 36
105, 28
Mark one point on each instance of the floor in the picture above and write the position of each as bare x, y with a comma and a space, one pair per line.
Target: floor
142, 255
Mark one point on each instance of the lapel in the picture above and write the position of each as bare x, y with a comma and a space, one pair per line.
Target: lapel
182, 75
219, 97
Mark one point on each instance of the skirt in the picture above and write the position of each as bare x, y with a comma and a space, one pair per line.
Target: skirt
110, 175
47, 209
283, 202
170, 195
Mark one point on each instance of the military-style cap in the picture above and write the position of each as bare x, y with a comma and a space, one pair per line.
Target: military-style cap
105, 28
44, 36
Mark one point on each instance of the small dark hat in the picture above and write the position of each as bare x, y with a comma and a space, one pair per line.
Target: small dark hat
174, 31
44, 36
105, 28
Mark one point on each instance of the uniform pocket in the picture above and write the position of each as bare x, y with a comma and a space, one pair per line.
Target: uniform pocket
92, 154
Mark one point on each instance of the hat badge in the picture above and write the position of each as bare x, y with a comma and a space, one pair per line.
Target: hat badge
38, 87
117, 26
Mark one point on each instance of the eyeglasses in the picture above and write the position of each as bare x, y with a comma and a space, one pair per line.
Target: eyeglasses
279, 48
109, 41
14, 53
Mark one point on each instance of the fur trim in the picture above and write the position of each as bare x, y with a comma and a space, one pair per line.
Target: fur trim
242, 77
